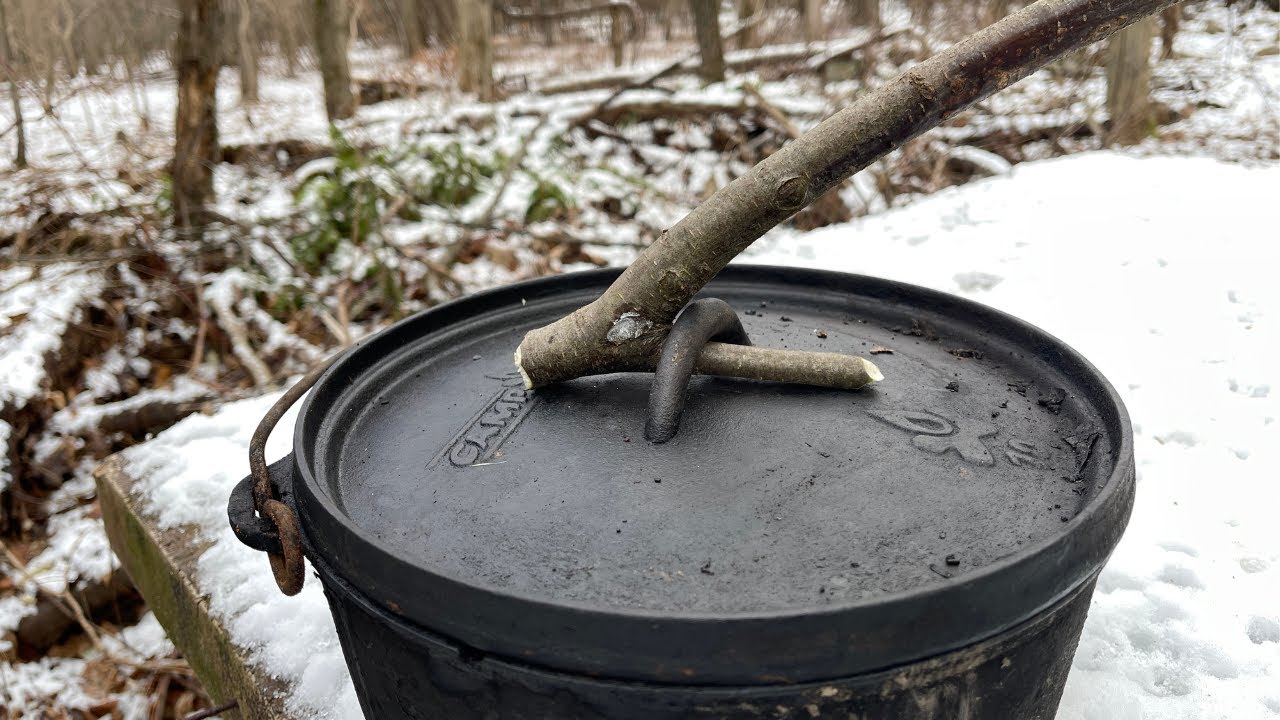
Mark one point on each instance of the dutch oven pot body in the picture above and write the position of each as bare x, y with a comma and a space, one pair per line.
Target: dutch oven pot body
923, 548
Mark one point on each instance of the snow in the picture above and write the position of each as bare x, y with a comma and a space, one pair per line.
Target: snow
34, 312
6, 476
1157, 269
23, 685
80, 418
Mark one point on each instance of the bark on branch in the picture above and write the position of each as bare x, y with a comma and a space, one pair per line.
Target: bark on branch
649, 294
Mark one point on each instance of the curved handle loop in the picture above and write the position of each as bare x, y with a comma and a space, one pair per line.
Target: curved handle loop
277, 526
700, 322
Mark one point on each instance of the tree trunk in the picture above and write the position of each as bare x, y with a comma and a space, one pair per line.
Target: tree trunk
865, 13
410, 28
669, 11
7, 57
196, 123
333, 39
920, 11
812, 12
617, 39
1129, 83
475, 48
550, 25
994, 10
750, 37
706, 25
289, 46
248, 55
441, 21
1170, 19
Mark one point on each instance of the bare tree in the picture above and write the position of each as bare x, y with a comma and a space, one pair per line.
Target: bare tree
706, 25
1170, 19
993, 10
865, 13
333, 40
749, 37
410, 26
7, 59
441, 20
1129, 83
475, 48
196, 123
811, 11
617, 39
248, 61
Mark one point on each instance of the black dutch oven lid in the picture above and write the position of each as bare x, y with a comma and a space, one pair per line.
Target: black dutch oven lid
785, 534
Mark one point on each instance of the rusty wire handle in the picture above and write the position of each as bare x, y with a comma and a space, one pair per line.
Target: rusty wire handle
287, 565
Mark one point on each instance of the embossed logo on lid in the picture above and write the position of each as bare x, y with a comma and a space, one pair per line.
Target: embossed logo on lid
480, 439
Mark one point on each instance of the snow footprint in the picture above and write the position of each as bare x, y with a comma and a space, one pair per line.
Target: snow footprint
1179, 437
1179, 547
1253, 565
1263, 630
972, 281
1181, 576
1251, 391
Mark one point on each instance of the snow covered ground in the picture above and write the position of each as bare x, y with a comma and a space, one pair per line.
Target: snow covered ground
1160, 270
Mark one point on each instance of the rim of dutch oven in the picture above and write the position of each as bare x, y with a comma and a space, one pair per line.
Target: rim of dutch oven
803, 644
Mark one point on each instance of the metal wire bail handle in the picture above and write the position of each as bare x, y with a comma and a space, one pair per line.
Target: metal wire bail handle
287, 565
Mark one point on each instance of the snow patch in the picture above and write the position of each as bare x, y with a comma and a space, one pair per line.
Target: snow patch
34, 313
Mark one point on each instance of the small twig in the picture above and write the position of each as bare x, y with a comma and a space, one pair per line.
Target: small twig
161, 696
63, 600
772, 111
344, 313
235, 329
210, 712
202, 329
510, 170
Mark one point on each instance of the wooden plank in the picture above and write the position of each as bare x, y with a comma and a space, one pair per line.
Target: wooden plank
162, 563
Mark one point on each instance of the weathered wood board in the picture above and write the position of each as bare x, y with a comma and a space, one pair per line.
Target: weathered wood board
162, 563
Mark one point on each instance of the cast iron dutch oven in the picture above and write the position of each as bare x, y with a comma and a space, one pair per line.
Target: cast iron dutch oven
925, 547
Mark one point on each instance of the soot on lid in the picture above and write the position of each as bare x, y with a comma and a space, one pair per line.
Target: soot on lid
770, 498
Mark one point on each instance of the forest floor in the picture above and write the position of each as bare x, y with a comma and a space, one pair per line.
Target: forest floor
113, 327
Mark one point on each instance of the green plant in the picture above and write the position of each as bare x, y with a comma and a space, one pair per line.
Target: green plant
456, 176
346, 202
164, 198
547, 200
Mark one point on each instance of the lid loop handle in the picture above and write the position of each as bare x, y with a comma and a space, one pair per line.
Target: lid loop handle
700, 322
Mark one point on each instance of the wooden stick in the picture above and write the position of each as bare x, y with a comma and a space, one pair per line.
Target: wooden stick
670, 272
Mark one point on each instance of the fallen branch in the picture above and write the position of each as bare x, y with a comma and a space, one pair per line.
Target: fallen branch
624, 329
235, 330
620, 6
134, 418
811, 56
851, 45
669, 69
